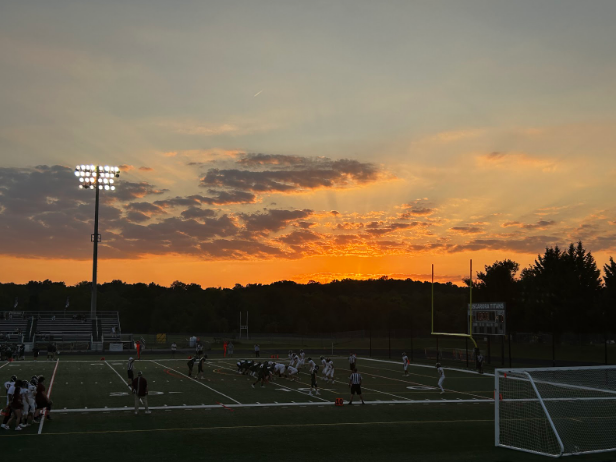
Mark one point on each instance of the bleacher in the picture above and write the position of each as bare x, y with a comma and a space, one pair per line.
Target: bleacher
13, 324
60, 326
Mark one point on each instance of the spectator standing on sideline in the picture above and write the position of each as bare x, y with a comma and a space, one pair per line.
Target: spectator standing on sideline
140, 390
50, 351
138, 346
224, 348
257, 351
174, 348
355, 384
230, 349
35, 352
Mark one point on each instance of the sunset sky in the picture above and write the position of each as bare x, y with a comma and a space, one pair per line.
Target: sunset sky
304, 140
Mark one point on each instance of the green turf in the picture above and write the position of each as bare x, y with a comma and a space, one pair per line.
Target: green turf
299, 427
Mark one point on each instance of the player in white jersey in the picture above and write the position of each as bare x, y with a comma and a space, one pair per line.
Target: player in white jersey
295, 362
279, 369
8, 385
300, 359
323, 366
291, 354
405, 363
290, 372
329, 376
30, 400
441, 374
311, 365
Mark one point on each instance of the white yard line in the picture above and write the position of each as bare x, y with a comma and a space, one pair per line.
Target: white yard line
255, 405
196, 381
118, 374
6, 364
44, 413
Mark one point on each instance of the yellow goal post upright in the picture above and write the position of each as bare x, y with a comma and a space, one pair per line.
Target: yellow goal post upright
470, 313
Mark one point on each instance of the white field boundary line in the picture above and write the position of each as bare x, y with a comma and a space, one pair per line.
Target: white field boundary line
44, 413
278, 385
200, 383
466, 371
259, 405
118, 374
424, 385
6, 364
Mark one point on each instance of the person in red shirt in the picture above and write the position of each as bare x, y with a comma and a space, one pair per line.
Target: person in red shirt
224, 347
140, 390
138, 344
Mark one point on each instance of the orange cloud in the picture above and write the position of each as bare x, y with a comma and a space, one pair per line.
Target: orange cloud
515, 160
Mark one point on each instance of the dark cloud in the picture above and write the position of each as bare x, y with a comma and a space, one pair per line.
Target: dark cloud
305, 175
197, 213
379, 228
252, 160
466, 230
137, 217
539, 225
126, 190
215, 198
299, 237
272, 220
145, 207
416, 211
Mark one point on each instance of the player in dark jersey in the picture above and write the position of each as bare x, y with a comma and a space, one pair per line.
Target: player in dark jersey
262, 374
42, 401
190, 364
313, 381
254, 368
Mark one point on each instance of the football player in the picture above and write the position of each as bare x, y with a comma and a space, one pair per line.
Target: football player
190, 364
441, 374
313, 380
329, 377
405, 363
200, 366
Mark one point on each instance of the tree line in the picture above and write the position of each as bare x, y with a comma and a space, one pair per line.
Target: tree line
562, 291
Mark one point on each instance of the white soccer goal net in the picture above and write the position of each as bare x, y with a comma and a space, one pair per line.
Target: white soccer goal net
557, 411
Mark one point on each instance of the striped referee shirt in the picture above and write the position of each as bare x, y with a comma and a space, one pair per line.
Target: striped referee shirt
356, 378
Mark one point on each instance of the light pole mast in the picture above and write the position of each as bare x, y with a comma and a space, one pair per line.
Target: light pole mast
95, 238
100, 178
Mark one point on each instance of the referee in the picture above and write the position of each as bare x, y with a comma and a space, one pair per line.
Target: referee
355, 384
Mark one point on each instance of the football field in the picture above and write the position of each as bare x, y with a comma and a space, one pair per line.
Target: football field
221, 417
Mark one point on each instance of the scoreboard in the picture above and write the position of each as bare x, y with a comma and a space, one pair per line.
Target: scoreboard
489, 318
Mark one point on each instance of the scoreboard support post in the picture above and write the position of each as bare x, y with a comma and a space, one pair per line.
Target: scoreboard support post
489, 356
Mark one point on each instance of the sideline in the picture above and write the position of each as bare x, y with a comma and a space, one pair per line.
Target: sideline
256, 427
263, 405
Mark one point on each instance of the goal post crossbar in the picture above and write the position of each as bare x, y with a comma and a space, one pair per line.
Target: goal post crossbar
470, 316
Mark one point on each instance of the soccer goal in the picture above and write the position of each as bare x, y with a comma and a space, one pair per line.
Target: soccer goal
559, 411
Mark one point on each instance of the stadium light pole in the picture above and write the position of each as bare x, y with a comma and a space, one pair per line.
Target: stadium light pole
97, 178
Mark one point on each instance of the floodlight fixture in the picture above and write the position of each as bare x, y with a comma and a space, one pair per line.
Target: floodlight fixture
91, 176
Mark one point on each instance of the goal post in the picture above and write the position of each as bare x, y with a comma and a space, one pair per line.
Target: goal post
558, 411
